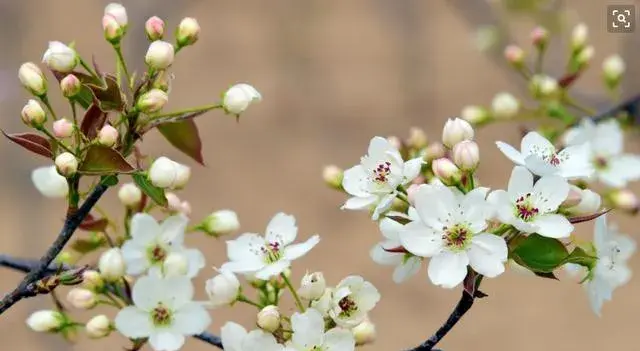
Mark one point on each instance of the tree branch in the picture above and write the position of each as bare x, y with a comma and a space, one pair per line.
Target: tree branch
36, 273
210, 339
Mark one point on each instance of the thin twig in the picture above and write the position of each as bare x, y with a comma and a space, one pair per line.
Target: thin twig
210, 339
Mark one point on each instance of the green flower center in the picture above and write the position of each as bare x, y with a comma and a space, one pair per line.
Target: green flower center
457, 237
161, 316
272, 252
600, 163
157, 254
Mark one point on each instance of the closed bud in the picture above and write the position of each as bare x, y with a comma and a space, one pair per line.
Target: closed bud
223, 289
32, 78
312, 286
66, 164
111, 264
417, 138
60, 58
70, 85
175, 205
81, 298
486, 37
624, 199
175, 264
584, 56
188, 32
163, 172
574, 196
466, 155
130, 195
98, 327
239, 97
269, 318
364, 333
32, 114
434, 151
113, 32
395, 142
543, 86
579, 36
332, 176
540, 37
159, 55
62, 128
613, 67
108, 135
514, 55
505, 105
183, 174
92, 280
152, 101
475, 115
118, 12
221, 223
456, 130
446, 171
589, 201
46, 321
154, 28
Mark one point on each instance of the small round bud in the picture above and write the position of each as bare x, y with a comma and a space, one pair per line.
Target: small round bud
159, 55
539, 37
67, 164
589, 201
32, 78
154, 28
223, 289
446, 171
221, 223
434, 151
456, 130
584, 56
625, 200
183, 174
185, 208
188, 32
269, 318
514, 55
60, 58
417, 138
466, 155
108, 135
62, 128
364, 333
175, 264
505, 105
474, 114
70, 85
130, 195
46, 321
113, 32
312, 286
81, 298
239, 97
92, 280
395, 142
486, 37
175, 205
152, 101
32, 114
613, 66
98, 327
579, 36
111, 264
118, 12
574, 196
332, 176
543, 86
166, 173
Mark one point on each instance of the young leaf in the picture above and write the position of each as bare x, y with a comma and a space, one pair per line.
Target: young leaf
540, 254
85, 246
32, 142
585, 218
92, 224
156, 194
184, 136
108, 94
104, 160
93, 120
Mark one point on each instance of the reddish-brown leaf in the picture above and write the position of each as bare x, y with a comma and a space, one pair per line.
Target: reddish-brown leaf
398, 249
108, 94
586, 218
32, 142
93, 120
184, 136
104, 160
93, 224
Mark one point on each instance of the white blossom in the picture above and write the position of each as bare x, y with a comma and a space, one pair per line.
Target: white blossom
49, 182
59, 57
309, 334
351, 300
223, 289
235, 338
238, 98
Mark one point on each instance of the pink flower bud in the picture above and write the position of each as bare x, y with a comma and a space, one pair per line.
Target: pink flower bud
466, 155
159, 55
32, 114
113, 32
514, 55
118, 12
434, 151
626, 200
173, 202
395, 142
108, 135
154, 28
188, 32
70, 85
82, 298
539, 37
62, 128
456, 130
446, 171
32, 78
66, 164
152, 101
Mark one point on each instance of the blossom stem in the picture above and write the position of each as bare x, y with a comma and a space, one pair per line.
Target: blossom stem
88, 68
54, 140
204, 108
122, 64
293, 292
243, 298
45, 100
404, 198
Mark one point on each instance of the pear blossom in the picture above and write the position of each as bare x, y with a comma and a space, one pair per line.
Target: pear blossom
450, 229
351, 300
59, 57
270, 255
531, 207
236, 338
164, 312
269, 318
309, 334
589, 202
312, 286
612, 166
406, 264
238, 98
151, 243
49, 182
374, 182
541, 158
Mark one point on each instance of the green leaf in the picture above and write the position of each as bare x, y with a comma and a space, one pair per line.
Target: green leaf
184, 136
104, 160
152, 191
581, 257
539, 253
32, 142
108, 94
109, 180
548, 275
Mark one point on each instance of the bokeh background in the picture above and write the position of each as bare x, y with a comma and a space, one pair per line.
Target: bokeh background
333, 74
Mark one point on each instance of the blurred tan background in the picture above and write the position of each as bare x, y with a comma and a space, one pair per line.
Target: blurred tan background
333, 74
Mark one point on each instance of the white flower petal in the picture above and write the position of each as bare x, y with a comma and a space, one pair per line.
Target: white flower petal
272, 269
539, 167
407, 269
549, 192
576, 161
355, 181
380, 256
282, 229
147, 292
135, 257
308, 329
359, 203
384, 204
144, 228
421, 240
448, 269
133, 322
172, 229
390, 229
511, 153
49, 182
412, 169
535, 144
296, 251
379, 147
243, 266
338, 339
553, 226
520, 182
196, 262
368, 296
436, 214
247, 247
232, 335
260, 341
166, 341
487, 254
502, 206
191, 319
178, 290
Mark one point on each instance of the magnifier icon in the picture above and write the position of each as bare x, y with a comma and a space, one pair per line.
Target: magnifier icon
621, 18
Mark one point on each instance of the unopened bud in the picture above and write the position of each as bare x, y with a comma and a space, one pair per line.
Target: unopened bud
584, 56
239, 97
152, 101
175, 264
333, 176
446, 171
613, 67
183, 174
60, 58
625, 200
543, 86
574, 196
66, 164
514, 55
539, 37
579, 36
475, 115
269, 318
113, 32
223, 289
118, 12
111, 264
98, 327
312, 286
130, 195
505, 105
417, 138
82, 298
46, 321
589, 202
32, 78
62, 128
188, 32
154, 28
159, 55
434, 151
486, 37
92, 280
163, 172
32, 114
364, 333
466, 155
108, 135
456, 130
221, 223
